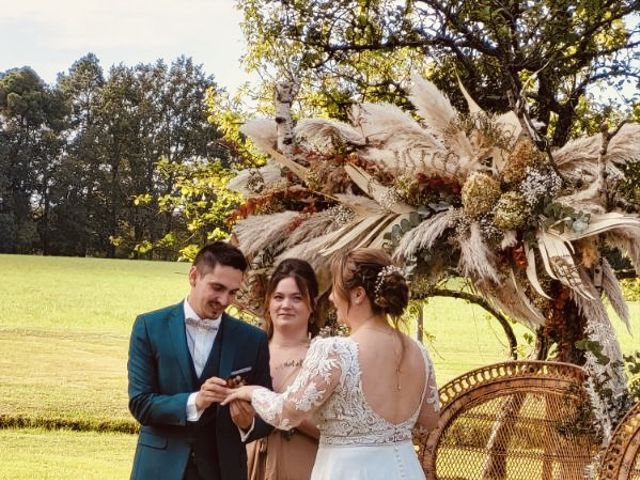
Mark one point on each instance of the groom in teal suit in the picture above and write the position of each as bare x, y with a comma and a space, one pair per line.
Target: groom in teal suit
180, 358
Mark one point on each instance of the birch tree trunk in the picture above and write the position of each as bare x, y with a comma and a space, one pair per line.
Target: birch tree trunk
284, 96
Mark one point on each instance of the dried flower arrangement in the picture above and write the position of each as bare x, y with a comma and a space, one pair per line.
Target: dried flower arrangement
455, 194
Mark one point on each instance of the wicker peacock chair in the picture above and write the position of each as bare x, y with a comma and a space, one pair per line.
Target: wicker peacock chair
516, 421
621, 461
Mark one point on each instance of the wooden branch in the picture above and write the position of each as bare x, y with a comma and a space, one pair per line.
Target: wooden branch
481, 302
629, 273
601, 180
518, 105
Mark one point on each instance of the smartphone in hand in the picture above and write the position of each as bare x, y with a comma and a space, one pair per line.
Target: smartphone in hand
236, 379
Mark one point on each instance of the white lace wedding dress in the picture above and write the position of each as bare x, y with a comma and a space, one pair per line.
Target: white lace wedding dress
355, 442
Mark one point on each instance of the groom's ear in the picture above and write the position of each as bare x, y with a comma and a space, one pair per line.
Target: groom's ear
193, 275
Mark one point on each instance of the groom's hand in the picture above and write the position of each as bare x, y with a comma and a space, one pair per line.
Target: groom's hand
213, 390
241, 413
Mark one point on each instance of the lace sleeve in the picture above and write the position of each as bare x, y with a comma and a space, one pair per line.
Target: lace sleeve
321, 372
429, 412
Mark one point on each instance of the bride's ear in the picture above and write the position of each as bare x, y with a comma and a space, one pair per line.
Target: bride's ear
358, 295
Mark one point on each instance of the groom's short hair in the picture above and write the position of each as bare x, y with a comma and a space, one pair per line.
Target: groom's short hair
219, 253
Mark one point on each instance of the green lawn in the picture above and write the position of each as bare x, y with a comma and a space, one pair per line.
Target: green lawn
65, 322
83, 295
64, 328
466, 337
28, 454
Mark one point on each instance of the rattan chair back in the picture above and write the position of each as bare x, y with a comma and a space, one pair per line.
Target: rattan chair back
516, 421
621, 461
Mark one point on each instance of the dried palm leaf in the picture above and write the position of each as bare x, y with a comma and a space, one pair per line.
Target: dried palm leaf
384, 196
600, 223
611, 288
510, 124
353, 233
532, 275
474, 108
508, 297
284, 161
556, 253
508, 121
599, 329
362, 206
375, 237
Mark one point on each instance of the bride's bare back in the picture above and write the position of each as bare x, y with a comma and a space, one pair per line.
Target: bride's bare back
392, 385
393, 380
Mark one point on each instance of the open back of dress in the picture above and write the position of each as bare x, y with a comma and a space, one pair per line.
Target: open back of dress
355, 442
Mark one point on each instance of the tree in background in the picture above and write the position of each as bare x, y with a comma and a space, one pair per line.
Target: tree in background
552, 52
77, 203
31, 121
90, 166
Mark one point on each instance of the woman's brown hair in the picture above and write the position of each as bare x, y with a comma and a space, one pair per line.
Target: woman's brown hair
374, 271
305, 278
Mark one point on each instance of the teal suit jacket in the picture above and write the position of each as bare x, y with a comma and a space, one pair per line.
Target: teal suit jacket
161, 378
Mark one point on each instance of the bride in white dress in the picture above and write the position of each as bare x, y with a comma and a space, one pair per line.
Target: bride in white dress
366, 392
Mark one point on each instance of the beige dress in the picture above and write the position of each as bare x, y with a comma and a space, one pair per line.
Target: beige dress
283, 455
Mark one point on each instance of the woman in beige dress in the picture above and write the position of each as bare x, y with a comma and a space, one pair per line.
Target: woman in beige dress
291, 323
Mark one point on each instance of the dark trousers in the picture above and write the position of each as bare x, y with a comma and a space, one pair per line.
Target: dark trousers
196, 471
192, 472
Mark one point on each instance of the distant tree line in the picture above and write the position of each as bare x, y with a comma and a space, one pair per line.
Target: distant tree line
118, 165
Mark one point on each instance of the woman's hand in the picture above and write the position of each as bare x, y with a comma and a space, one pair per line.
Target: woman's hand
242, 414
241, 393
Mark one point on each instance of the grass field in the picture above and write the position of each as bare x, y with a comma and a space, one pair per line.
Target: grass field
63, 455
64, 328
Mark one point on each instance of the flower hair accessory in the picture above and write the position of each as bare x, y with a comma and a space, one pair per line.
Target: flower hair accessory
383, 276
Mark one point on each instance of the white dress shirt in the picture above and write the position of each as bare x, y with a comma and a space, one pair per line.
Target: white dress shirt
200, 342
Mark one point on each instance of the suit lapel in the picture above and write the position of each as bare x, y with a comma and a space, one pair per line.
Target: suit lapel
179, 340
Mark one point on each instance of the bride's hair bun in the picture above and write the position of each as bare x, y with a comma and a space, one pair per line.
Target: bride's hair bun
373, 270
391, 292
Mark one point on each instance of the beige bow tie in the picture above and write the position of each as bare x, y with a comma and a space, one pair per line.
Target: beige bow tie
208, 324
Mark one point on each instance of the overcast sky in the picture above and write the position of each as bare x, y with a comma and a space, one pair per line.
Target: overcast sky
49, 35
